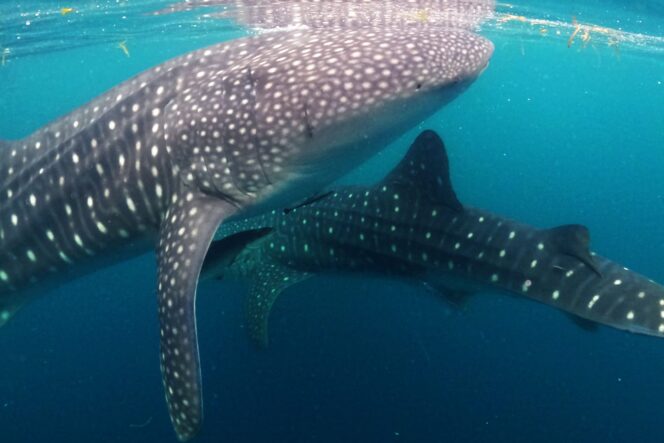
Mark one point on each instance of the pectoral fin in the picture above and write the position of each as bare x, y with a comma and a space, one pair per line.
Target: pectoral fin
269, 281
184, 238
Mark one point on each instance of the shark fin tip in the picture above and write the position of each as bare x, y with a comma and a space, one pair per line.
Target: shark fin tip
425, 167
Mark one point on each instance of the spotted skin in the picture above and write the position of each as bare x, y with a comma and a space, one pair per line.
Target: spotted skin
412, 225
345, 14
162, 159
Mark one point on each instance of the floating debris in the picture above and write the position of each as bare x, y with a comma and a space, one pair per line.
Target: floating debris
579, 31
3, 58
577, 28
123, 46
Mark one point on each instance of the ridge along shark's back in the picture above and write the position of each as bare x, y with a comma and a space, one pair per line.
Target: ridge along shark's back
412, 225
170, 154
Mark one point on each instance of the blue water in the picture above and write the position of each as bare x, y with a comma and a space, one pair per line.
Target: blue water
548, 135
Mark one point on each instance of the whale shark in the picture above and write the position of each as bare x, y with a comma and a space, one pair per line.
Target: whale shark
412, 226
158, 162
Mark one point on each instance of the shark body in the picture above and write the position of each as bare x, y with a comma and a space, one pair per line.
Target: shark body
411, 225
161, 160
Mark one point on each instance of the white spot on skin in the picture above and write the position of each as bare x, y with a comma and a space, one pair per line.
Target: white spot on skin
101, 227
630, 315
617, 282
533, 263
3, 276
592, 301
540, 246
641, 294
512, 235
526, 285
33, 200
555, 295
131, 205
111, 125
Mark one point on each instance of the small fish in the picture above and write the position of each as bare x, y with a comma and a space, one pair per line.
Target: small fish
65, 11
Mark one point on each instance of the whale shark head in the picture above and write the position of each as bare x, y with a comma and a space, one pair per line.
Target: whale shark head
317, 105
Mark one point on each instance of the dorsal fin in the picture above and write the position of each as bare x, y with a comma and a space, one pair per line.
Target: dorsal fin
425, 168
574, 240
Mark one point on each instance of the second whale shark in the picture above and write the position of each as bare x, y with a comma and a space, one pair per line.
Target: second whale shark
158, 162
412, 225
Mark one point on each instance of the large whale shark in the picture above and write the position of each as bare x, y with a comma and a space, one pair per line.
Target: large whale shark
412, 225
161, 160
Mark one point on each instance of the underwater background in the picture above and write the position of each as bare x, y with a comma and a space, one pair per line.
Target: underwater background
557, 130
